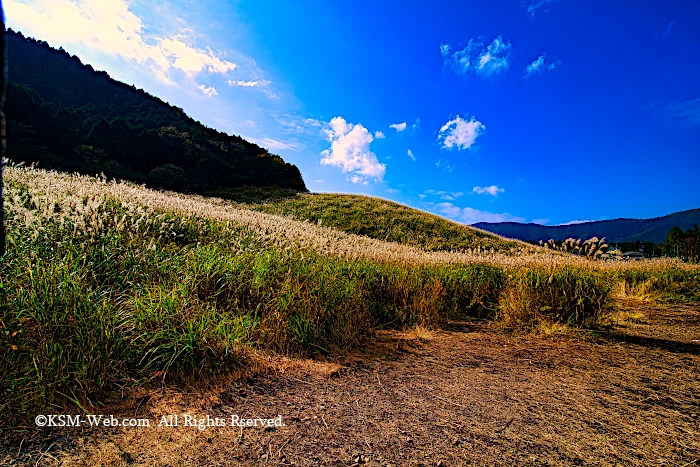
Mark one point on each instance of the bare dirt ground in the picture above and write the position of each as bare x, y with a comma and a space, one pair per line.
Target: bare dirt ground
466, 395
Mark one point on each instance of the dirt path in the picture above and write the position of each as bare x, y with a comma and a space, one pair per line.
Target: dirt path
466, 396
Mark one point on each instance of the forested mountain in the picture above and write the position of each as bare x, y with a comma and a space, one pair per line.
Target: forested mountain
64, 115
615, 230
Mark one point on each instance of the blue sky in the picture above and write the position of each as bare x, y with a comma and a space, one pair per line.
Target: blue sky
547, 111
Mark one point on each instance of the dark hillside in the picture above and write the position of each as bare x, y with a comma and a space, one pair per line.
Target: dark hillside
63, 114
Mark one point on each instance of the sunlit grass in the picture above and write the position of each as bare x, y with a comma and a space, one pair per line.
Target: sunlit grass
109, 284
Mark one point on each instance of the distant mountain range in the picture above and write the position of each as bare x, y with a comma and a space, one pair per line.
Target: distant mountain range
615, 230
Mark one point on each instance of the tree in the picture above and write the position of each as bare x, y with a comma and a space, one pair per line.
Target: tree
674, 241
168, 176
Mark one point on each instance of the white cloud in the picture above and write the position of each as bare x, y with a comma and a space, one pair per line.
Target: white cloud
460, 133
399, 127
492, 190
392, 190
351, 152
357, 179
191, 60
540, 221
577, 222
379, 135
111, 28
531, 6
320, 180
472, 216
535, 67
248, 84
410, 154
486, 61
496, 58
539, 65
208, 91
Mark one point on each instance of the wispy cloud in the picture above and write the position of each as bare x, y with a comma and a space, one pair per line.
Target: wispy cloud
379, 135
542, 221
399, 127
248, 84
667, 31
296, 124
112, 29
535, 67
444, 165
357, 179
410, 154
685, 112
350, 150
444, 195
554, 65
460, 133
532, 6
577, 222
472, 216
274, 144
539, 65
490, 60
492, 190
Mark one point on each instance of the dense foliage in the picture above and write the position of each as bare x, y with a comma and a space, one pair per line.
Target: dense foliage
685, 245
64, 115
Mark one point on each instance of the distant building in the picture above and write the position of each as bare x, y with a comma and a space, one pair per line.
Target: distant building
613, 254
636, 255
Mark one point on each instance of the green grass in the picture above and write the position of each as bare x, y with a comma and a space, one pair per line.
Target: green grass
98, 293
578, 296
665, 284
387, 221
84, 313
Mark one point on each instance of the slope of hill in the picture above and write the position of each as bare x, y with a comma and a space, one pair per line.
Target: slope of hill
388, 221
614, 230
63, 114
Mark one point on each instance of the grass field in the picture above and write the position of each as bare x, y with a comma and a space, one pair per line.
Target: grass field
389, 221
109, 284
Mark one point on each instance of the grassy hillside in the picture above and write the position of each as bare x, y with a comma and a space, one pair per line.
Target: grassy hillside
614, 230
388, 221
63, 114
112, 285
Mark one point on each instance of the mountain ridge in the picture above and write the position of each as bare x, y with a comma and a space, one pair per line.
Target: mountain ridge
614, 230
